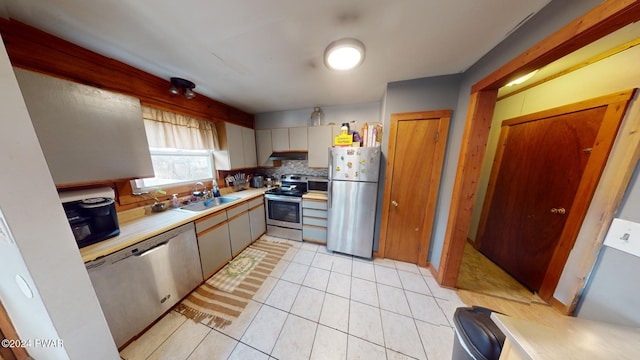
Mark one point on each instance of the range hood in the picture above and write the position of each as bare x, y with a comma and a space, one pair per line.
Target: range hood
288, 155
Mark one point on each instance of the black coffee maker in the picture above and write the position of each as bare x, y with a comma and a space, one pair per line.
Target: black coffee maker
91, 215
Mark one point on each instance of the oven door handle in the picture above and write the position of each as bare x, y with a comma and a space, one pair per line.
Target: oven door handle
284, 198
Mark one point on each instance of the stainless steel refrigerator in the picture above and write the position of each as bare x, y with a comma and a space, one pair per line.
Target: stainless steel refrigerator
353, 192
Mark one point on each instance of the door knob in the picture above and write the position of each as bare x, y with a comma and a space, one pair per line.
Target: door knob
558, 211
394, 203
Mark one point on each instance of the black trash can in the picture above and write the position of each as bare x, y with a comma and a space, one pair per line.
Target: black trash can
477, 336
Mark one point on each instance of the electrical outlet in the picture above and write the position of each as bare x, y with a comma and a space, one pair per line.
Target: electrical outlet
624, 235
5, 233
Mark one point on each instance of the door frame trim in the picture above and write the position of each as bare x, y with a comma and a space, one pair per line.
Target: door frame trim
443, 117
602, 20
616, 105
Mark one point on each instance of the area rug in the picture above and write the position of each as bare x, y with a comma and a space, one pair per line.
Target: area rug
221, 299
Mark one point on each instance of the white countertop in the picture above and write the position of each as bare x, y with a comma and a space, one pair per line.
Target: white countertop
134, 231
571, 338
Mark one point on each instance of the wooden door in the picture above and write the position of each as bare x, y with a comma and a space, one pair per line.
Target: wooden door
537, 172
414, 163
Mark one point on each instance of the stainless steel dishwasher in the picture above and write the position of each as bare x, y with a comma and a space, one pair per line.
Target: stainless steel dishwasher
139, 283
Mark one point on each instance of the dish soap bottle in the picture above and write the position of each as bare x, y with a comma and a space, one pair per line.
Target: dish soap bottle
174, 201
216, 191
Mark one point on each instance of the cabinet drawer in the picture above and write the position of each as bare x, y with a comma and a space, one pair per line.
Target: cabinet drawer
315, 213
238, 209
314, 233
210, 221
309, 204
255, 202
314, 221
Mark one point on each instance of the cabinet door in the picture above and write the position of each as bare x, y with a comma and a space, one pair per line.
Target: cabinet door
258, 222
215, 249
75, 123
319, 143
263, 147
280, 139
240, 233
298, 138
234, 145
249, 147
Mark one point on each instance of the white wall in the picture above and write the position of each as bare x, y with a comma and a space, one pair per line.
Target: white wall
64, 305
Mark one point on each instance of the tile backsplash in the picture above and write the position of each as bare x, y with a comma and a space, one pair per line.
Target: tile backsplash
294, 167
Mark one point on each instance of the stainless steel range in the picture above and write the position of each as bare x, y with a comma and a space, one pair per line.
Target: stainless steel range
284, 207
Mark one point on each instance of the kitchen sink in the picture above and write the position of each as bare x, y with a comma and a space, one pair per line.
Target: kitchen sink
208, 204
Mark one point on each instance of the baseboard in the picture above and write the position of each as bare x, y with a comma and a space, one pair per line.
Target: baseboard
435, 275
558, 305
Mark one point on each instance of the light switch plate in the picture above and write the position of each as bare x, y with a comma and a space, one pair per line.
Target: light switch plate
5, 233
624, 235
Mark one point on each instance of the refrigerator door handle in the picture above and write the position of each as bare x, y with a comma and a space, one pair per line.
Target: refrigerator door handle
330, 177
330, 164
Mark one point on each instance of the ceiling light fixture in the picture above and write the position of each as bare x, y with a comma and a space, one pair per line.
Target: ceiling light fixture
522, 79
186, 86
344, 54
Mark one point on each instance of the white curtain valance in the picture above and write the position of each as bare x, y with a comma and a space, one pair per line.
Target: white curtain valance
170, 130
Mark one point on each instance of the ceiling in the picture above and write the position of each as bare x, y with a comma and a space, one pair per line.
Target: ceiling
263, 56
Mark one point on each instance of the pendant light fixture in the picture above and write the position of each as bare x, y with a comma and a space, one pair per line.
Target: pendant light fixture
178, 84
344, 54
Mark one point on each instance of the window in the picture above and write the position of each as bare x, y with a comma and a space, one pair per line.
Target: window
176, 166
181, 149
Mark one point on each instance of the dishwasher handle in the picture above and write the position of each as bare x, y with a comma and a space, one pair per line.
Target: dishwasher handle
152, 249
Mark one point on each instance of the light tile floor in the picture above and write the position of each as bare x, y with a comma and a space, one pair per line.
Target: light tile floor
320, 305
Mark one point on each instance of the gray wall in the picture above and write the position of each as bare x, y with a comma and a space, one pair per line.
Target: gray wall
630, 207
551, 18
338, 114
435, 93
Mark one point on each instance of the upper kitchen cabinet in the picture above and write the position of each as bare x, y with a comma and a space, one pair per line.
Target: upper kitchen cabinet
86, 134
249, 147
289, 139
264, 148
298, 139
320, 139
238, 147
280, 139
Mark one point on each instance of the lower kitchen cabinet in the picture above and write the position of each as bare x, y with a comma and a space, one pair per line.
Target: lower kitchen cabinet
215, 249
213, 242
257, 218
239, 227
224, 234
314, 220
